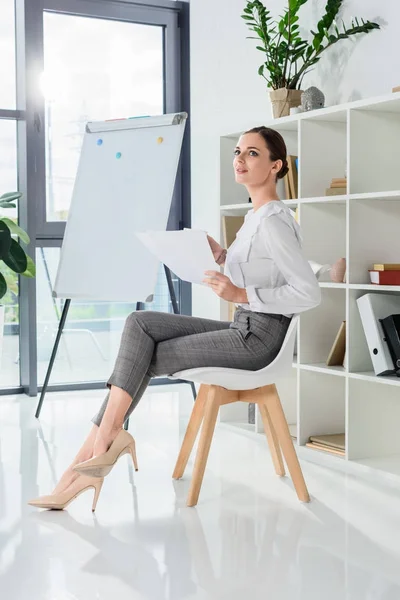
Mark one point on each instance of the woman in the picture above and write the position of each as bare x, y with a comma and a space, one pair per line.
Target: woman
266, 274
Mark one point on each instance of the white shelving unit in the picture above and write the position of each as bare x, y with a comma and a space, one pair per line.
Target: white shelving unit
362, 140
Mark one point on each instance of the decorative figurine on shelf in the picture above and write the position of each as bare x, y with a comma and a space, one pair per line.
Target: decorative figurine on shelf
336, 271
312, 98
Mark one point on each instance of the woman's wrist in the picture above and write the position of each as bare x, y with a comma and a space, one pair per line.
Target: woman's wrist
242, 296
221, 258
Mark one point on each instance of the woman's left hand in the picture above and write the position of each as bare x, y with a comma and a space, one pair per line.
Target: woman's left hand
224, 288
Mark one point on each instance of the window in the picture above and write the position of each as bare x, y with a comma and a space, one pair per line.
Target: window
95, 69
9, 362
92, 60
7, 53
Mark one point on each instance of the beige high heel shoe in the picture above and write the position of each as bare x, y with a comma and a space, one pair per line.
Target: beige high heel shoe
101, 465
61, 501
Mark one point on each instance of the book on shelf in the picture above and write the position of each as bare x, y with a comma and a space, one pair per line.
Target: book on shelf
386, 267
384, 277
334, 440
288, 193
336, 191
325, 449
338, 187
337, 353
334, 443
230, 226
291, 179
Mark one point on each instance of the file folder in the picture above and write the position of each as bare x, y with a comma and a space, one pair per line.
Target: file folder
372, 308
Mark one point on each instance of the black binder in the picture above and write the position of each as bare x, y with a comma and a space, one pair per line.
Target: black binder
391, 329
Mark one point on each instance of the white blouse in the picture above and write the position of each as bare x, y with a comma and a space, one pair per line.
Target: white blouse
267, 260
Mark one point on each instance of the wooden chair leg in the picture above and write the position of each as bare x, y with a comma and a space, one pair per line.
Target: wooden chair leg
210, 418
191, 432
272, 439
282, 430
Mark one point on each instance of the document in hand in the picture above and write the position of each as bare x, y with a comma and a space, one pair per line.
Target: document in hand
186, 253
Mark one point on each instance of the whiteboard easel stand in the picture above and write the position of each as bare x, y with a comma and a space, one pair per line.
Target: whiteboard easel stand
60, 331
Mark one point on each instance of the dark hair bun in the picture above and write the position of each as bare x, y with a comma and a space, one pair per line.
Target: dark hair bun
284, 170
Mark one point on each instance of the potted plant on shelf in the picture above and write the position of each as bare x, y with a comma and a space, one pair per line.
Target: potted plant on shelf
14, 259
288, 57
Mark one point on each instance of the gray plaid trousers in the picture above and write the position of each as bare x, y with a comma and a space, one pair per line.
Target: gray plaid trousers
157, 344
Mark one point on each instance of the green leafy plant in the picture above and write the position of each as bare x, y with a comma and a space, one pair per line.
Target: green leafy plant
13, 258
288, 56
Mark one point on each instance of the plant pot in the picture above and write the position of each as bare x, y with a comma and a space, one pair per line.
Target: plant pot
2, 308
283, 100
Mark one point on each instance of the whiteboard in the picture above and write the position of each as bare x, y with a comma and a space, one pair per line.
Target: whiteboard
124, 184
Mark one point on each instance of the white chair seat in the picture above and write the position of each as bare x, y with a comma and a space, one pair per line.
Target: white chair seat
240, 379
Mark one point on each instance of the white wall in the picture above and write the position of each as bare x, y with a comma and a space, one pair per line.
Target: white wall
228, 95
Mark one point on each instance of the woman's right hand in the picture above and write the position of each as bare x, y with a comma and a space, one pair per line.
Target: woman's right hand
216, 248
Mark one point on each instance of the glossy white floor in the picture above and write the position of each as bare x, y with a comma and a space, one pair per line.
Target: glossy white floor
248, 537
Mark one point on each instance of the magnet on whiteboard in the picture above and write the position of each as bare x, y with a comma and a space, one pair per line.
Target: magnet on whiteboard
160, 140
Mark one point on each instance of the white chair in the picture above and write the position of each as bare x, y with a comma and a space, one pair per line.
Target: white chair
223, 386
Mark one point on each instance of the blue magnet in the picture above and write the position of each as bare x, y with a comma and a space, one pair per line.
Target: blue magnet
99, 142
118, 155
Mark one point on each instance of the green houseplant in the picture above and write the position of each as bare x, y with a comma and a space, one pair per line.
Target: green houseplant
288, 57
13, 259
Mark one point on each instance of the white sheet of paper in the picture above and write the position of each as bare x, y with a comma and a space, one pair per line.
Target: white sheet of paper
187, 253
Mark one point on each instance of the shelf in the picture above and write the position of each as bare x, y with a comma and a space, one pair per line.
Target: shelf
395, 195
374, 288
322, 403
323, 226
373, 238
370, 169
324, 200
371, 377
323, 368
323, 155
362, 226
319, 328
242, 209
337, 113
235, 209
332, 285
326, 452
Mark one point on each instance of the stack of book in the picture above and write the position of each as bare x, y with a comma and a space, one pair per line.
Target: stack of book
385, 274
338, 187
333, 443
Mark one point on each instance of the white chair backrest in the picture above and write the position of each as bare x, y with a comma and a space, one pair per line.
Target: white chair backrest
284, 360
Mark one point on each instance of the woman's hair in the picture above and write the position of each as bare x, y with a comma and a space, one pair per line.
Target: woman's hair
276, 146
